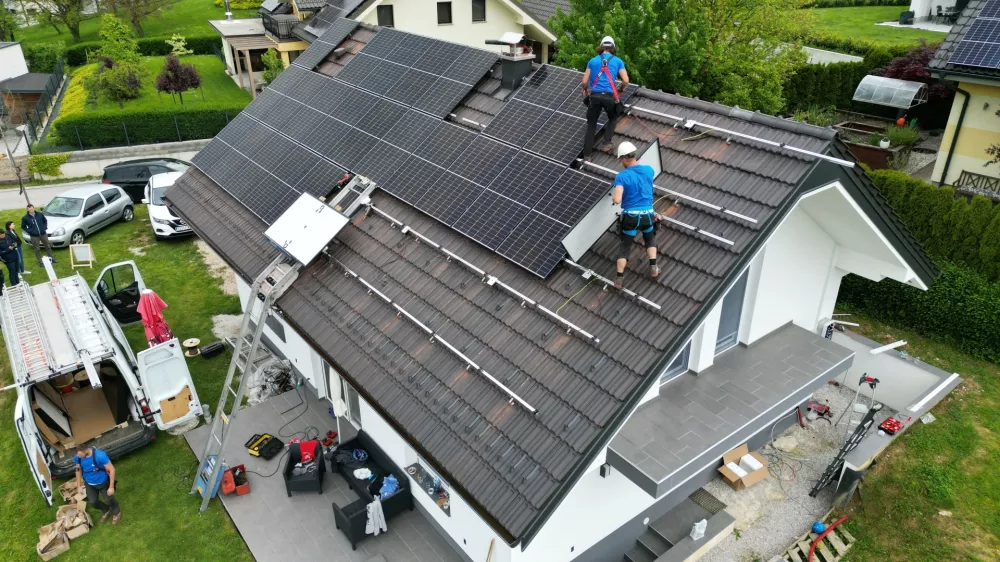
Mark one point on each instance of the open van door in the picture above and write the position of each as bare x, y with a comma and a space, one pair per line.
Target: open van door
168, 385
31, 443
119, 287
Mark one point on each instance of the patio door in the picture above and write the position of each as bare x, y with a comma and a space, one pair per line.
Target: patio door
732, 309
350, 397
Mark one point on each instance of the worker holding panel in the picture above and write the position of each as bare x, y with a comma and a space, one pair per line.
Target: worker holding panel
600, 92
634, 192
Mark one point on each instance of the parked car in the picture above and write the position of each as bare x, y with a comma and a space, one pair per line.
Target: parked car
82, 211
81, 385
165, 224
132, 175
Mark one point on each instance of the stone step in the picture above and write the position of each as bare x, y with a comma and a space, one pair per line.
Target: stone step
676, 524
639, 554
653, 543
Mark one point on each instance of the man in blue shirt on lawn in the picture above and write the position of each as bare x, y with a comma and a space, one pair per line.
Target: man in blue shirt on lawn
95, 471
601, 93
634, 192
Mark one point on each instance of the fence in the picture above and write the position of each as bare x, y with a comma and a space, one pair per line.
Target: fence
34, 118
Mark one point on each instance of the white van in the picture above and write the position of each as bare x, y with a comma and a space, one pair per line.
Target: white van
164, 222
78, 383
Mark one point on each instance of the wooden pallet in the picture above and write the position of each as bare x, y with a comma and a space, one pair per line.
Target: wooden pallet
832, 548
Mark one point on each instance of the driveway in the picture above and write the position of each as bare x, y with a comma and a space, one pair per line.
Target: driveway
39, 195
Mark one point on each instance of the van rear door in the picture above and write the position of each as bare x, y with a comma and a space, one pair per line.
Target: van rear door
119, 287
168, 385
31, 443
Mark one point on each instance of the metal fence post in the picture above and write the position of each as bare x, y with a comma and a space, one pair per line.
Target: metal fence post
126, 134
227, 117
78, 141
178, 129
27, 143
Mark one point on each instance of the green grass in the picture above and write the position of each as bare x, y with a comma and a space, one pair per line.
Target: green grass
187, 17
949, 465
160, 520
216, 86
859, 23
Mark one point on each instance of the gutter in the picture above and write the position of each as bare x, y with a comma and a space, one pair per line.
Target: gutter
958, 126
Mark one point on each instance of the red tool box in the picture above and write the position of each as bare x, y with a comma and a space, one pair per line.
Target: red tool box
891, 426
235, 480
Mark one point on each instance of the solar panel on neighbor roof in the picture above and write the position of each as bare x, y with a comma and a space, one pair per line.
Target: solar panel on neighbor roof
990, 10
980, 47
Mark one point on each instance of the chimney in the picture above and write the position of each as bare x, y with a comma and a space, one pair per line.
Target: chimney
515, 63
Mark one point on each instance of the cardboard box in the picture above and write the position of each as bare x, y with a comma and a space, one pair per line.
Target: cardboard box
71, 493
52, 541
74, 519
736, 481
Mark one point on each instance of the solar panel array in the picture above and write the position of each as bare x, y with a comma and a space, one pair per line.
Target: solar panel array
326, 43
980, 47
333, 10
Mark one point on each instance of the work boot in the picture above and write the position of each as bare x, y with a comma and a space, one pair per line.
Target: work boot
654, 271
105, 516
116, 519
619, 282
605, 146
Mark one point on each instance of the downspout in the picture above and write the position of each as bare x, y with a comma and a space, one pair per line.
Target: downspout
958, 126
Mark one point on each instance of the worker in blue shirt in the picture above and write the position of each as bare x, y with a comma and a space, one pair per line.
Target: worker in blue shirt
634, 192
600, 92
95, 471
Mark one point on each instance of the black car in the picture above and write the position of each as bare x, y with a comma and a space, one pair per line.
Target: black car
132, 175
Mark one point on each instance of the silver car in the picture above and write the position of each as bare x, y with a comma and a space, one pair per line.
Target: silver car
82, 211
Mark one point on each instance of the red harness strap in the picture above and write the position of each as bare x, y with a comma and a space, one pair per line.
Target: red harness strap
607, 74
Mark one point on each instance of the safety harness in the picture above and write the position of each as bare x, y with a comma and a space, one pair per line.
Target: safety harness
611, 82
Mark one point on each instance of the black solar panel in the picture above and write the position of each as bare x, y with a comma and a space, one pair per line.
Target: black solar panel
560, 138
535, 244
442, 97
412, 130
573, 105
326, 135
210, 158
492, 219
314, 55
289, 80
351, 149
471, 66
986, 30
384, 77
444, 145
383, 115
448, 198
320, 180
516, 122
411, 87
483, 159
282, 203
572, 196
294, 166
381, 162
265, 102
412, 179
239, 127
526, 178
383, 43
410, 49
990, 10
338, 31
439, 56
983, 55
549, 87
358, 69
354, 105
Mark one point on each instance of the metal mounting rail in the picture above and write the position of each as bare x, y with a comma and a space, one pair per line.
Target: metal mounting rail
588, 273
678, 194
691, 124
400, 311
489, 279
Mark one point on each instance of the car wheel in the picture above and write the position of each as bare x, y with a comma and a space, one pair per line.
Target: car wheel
77, 237
128, 214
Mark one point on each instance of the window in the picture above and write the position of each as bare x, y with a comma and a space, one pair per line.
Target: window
444, 13
111, 195
478, 10
385, 18
432, 484
94, 204
679, 365
350, 397
292, 55
158, 169
732, 310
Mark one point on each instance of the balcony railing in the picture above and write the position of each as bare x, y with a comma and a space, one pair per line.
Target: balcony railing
279, 26
970, 182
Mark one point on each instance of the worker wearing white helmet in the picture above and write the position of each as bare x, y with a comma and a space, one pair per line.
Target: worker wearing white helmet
600, 92
634, 192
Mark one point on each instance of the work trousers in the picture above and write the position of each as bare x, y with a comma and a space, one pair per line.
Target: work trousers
598, 103
629, 226
42, 240
20, 256
13, 268
94, 496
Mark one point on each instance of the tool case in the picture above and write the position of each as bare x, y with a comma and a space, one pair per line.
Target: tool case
263, 445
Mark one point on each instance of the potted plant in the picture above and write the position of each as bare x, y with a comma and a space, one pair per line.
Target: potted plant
884, 143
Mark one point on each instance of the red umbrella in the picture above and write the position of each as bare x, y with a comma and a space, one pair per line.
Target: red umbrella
151, 309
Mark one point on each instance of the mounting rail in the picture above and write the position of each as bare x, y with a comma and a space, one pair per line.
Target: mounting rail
588, 273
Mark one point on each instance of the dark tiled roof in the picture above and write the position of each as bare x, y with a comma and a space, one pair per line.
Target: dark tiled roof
542, 10
310, 5
30, 83
954, 37
514, 467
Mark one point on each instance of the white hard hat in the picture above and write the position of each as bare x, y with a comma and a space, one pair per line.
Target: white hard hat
607, 41
626, 148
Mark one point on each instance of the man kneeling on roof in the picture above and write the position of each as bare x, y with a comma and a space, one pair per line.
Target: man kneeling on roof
634, 192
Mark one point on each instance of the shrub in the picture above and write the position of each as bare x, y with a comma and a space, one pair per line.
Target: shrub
80, 53
239, 4
104, 128
907, 135
42, 57
272, 65
47, 164
178, 45
853, 45
819, 116
854, 3
177, 78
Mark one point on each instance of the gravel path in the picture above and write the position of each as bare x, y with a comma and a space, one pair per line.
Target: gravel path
770, 515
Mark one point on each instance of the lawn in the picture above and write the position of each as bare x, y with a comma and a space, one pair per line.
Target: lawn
935, 494
859, 23
160, 521
216, 85
187, 17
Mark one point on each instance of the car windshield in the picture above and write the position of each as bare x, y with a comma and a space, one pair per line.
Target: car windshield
64, 207
158, 195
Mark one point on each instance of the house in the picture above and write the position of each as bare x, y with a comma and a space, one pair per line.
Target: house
970, 56
466, 316
20, 90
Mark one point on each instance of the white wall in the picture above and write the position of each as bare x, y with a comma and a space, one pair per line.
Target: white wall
12, 62
901, 382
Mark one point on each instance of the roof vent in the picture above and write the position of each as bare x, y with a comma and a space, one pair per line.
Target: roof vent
515, 63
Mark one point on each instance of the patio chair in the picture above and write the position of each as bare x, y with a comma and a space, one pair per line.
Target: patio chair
939, 17
310, 481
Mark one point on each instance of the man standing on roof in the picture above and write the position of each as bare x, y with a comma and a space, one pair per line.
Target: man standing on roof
601, 92
634, 192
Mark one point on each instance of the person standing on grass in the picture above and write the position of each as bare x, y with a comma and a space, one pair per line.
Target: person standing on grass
95, 471
34, 224
13, 237
8, 253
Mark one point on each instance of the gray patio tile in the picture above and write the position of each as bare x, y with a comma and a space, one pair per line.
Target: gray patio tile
709, 403
425, 553
740, 393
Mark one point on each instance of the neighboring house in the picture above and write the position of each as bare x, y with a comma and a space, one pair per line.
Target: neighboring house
973, 61
935, 10
20, 90
562, 415
12, 62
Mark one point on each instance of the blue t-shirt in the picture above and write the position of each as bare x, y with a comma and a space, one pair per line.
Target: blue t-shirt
614, 65
637, 182
93, 467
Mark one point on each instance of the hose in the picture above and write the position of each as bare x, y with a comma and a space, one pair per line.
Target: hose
812, 549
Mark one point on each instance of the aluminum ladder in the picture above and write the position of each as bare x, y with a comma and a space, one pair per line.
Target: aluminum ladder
266, 289
30, 347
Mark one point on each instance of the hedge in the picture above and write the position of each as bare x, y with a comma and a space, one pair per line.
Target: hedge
100, 129
239, 4
854, 3
43, 57
77, 54
823, 85
854, 46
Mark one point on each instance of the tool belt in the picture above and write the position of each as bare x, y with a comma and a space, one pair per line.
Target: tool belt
631, 222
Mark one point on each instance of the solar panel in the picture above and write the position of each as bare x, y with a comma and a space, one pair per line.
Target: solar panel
274, 211
572, 196
350, 149
269, 5
338, 31
412, 179
294, 166
314, 55
560, 138
239, 127
320, 180
412, 130
326, 135
549, 87
442, 97
536, 244
383, 78
471, 66
381, 162
448, 198
970, 53
492, 220
289, 80
482, 160
354, 105
985, 30
383, 43
410, 49
526, 178
358, 69
444, 145
383, 115
516, 122
209, 158
411, 86
990, 10
439, 56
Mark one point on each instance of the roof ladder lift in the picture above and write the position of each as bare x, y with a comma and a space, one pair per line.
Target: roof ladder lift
30, 356
266, 289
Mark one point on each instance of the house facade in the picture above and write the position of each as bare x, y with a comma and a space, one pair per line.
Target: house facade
562, 415
972, 123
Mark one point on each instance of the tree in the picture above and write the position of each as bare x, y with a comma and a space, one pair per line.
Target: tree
69, 13
7, 25
913, 67
177, 78
117, 42
272, 66
137, 10
119, 77
178, 45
